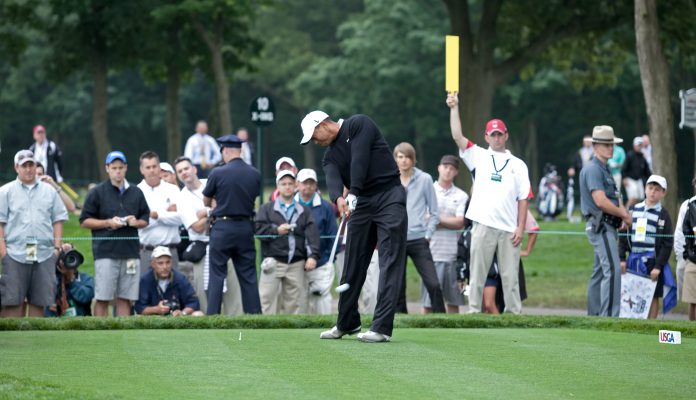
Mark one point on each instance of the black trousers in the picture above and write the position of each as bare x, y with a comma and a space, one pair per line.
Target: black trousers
419, 251
378, 220
233, 239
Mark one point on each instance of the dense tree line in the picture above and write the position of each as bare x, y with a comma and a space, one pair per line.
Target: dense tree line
133, 75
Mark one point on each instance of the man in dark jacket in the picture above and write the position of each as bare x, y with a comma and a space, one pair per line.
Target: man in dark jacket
165, 291
290, 246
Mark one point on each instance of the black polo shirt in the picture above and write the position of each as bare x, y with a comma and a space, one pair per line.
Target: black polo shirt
359, 159
106, 201
235, 187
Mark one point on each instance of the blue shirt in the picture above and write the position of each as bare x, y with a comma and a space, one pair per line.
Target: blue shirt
29, 212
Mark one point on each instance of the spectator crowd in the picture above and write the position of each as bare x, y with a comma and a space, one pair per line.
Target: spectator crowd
182, 240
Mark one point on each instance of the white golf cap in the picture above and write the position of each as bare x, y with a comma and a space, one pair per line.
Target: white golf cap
309, 122
282, 160
637, 141
160, 251
165, 166
307, 173
660, 180
282, 174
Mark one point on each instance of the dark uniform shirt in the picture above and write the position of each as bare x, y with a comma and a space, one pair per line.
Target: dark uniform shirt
596, 176
359, 159
235, 187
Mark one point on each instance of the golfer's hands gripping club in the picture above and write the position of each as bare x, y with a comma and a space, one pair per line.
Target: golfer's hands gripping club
347, 205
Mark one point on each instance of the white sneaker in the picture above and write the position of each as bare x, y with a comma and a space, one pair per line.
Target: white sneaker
335, 333
373, 337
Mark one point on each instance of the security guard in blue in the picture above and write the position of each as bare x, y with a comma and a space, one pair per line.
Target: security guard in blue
234, 186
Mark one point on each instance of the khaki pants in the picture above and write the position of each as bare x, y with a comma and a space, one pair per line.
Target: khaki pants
231, 299
319, 283
485, 243
284, 289
368, 295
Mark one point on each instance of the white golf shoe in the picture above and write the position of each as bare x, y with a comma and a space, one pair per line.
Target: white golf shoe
373, 337
335, 333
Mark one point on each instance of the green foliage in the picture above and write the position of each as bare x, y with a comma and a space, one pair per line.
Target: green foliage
397, 79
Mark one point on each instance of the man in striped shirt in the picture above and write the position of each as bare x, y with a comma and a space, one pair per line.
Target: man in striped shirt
650, 241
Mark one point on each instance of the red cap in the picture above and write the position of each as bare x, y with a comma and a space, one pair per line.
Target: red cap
496, 125
39, 127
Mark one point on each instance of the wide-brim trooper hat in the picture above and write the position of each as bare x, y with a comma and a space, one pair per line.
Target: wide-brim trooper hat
604, 134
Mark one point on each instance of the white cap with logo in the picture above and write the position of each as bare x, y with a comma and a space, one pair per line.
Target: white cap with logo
660, 180
160, 251
309, 122
307, 173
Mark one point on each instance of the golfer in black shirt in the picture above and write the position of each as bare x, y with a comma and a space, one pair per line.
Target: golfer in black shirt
363, 181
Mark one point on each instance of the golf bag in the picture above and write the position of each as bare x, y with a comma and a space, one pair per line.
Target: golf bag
551, 197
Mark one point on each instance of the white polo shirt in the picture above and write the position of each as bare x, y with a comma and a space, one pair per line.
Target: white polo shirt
501, 180
188, 203
164, 230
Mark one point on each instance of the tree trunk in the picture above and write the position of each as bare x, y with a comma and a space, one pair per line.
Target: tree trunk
222, 91
173, 128
654, 75
99, 112
309, 157
531, 152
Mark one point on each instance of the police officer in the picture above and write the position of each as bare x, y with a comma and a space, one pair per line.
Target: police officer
234, 186
600, 205
359, 159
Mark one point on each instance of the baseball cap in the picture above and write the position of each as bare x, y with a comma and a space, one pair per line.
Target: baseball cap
39, 128
495, 125
160, 251
637, 140
24, 156
451, 160
282, 160
115, 155
309, 122
282, 174
307, 173
660, 180
165, 166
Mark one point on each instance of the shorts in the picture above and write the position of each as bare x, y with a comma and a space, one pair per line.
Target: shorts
35, 282
447, 276
635, 189
113, 280
689, 290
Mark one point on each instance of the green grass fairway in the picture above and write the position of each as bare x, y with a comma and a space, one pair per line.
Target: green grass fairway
280, 363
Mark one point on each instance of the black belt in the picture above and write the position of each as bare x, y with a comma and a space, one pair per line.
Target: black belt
232, 218
150, 248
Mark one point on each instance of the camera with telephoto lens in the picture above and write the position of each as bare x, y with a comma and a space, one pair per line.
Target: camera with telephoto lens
71, 259
172, 304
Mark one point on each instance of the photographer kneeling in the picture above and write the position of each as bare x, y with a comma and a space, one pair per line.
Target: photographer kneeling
74, 289
164, 291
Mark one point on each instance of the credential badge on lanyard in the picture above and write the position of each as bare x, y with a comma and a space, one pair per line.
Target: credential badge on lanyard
496, 176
